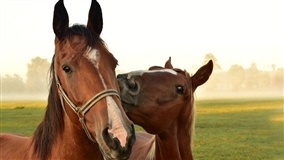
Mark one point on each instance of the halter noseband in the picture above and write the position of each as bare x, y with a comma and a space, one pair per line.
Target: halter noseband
81, 111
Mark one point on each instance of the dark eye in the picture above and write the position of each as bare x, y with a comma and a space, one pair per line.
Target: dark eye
66, 69
179, 89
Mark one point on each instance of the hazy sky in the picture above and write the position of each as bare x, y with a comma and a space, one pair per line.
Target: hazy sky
142, 33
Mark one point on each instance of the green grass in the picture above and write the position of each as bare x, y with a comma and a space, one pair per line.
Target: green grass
20, 120
239, 129
236, 129
22, 104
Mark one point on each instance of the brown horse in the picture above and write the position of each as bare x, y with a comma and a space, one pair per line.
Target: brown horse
161, 100
84, 118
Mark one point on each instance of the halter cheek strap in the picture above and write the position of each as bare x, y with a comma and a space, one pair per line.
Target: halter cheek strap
81, 111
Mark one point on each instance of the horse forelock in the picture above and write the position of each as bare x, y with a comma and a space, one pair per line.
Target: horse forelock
52, 123
82, 31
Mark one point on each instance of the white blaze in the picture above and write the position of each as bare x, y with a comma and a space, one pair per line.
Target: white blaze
93, 55
114, 113
117, 129
141, 72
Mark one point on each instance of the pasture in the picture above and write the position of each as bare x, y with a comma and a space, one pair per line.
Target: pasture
224, 128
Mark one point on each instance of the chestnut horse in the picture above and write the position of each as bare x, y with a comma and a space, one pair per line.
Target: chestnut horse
84, 118
161, 100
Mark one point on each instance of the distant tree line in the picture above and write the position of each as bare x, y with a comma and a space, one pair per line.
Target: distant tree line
236, 79
36, 79
239, 79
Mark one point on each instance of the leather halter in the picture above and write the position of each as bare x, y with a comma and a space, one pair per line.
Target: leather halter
82, 110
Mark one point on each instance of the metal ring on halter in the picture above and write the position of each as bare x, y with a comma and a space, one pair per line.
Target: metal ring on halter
81, 111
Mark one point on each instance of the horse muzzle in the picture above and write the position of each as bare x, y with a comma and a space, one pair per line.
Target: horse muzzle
117, 150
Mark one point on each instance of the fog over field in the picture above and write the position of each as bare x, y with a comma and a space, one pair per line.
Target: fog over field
236, 82
245, 38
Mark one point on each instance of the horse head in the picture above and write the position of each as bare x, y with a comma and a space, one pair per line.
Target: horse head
84, 71
155, 98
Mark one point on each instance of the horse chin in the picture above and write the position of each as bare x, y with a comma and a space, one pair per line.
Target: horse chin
106, 152
113, 155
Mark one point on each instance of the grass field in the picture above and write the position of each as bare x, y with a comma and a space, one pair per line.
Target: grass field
236, 129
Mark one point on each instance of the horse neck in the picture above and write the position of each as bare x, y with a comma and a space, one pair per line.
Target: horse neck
175, 142
74, 144
58, 138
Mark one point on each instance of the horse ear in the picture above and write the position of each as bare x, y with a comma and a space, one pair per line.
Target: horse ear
60, 19
202, 75
95, 20
168, 64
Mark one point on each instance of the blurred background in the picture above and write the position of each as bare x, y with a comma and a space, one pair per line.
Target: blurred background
243, 38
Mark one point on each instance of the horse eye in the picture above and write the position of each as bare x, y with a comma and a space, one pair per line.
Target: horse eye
179, 89
66, 69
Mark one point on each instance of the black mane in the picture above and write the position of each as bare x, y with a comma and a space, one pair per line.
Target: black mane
52, 123
82, 31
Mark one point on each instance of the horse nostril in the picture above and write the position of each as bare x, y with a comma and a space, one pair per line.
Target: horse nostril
132, 85
128, 85
112, 143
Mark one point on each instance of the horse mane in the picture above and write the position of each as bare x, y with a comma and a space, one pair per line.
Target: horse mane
52, 123
152, 151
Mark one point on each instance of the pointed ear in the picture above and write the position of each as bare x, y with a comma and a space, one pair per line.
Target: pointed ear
202, 75
95, 20
168, 64
60, 19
